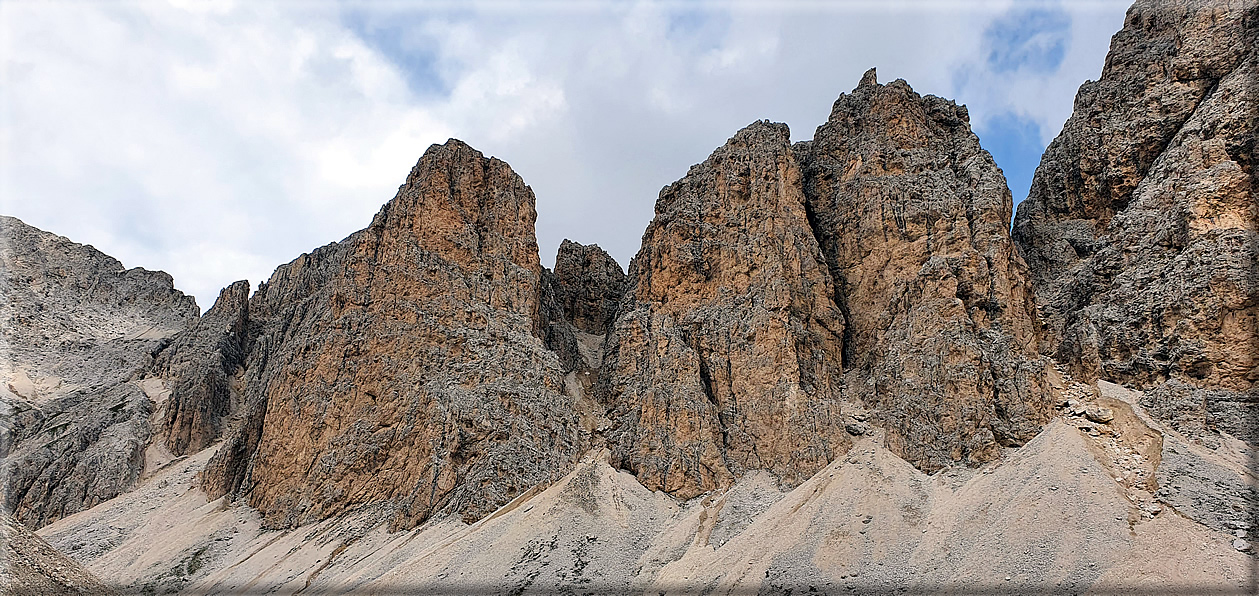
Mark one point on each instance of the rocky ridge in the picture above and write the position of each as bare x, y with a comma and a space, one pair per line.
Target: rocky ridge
789, 302
79, 329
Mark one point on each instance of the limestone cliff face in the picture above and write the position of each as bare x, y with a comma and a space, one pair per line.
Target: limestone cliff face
78, 330
725, 354
401, 366
1141, 224
912, 216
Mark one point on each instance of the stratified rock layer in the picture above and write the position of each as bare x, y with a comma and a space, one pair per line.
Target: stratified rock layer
78, 329
725, 355
401, 366
1142, 226
912, 216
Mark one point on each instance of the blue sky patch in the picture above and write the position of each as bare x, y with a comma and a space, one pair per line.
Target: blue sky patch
400, 37
1028, 39
1014, 143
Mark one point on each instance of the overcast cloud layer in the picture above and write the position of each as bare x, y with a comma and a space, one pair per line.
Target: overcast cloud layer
217, 141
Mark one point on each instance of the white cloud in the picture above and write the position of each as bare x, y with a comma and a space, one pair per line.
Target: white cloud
216, 141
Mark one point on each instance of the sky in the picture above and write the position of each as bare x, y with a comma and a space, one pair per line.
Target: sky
216, 141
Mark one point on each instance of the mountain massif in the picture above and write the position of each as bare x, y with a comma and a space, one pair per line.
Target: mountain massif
832, 365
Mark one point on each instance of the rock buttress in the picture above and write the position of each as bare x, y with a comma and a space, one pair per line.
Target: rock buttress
203, 367
725, 354
912, 216
401, 366
1141, 224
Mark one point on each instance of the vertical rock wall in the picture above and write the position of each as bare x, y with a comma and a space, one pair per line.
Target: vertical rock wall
725, 355
400, 366
912, 216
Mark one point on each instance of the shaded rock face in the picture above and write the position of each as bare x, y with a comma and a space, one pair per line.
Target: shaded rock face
401, 365
205, 364
589, 284
725, 354
579, 302
1142, 225
911, 215
78, 330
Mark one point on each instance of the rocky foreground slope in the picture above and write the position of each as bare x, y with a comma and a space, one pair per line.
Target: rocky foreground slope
829, 366
1049, 517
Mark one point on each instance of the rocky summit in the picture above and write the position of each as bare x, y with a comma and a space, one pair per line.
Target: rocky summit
402, 367
832, 366
725, 354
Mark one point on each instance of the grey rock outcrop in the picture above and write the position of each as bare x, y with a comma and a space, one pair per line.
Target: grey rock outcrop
589, 285
1142, 225
912, 217
78, 330
205, 365
579, 302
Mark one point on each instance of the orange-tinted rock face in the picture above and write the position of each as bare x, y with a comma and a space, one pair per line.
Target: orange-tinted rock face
400, 366
912, 215
725, 356
1142, 225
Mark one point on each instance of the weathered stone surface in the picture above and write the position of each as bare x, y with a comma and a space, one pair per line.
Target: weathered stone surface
401, 365
1142, 226
589, 285
579, 302
725, 355
78, 328
912, 216
204, 365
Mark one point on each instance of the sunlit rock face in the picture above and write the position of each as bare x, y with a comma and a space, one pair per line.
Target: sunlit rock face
725, 355
912, 217
401, 366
